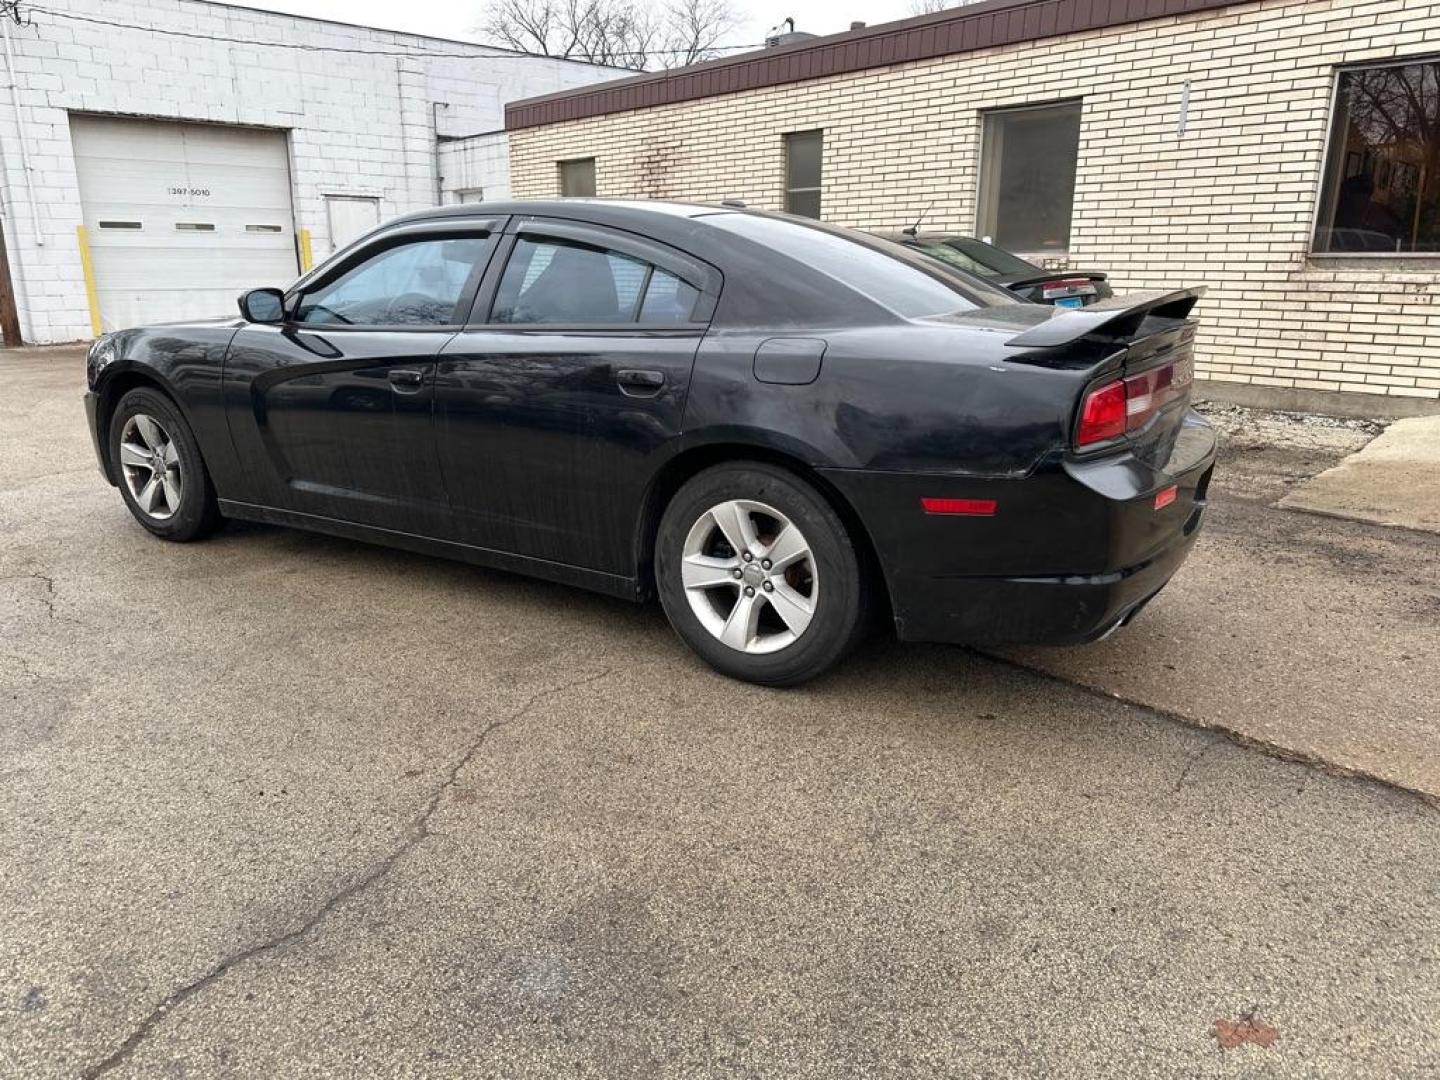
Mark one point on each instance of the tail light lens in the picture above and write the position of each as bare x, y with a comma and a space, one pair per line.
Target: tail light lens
1127, 404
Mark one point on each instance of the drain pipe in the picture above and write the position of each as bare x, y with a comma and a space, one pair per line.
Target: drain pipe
435, 107
29, 170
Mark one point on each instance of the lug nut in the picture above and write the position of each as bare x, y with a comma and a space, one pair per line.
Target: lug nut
737, 573
769, 587
746, 556
749, 591
765, 564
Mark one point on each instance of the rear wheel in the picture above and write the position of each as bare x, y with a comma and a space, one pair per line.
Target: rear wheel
758, 574
161, 474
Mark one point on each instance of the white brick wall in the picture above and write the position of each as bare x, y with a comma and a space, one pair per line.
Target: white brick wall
479, 163
1229, 205
359, 124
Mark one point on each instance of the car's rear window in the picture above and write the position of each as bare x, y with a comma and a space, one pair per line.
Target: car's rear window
884, 272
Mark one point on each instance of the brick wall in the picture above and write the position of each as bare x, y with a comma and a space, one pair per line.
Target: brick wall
359, 124
1228, 204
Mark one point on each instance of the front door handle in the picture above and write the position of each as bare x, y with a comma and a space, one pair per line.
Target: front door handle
406, 378
639, 382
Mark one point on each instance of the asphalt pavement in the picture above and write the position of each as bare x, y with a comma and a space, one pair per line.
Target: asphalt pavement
284, 805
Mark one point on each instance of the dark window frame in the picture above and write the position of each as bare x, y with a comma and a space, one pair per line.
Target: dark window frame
983, 188
1334, 156
789, 139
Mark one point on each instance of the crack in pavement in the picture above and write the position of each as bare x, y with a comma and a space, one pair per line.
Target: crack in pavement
1239, 738
1195, 760
48, 599
419, 829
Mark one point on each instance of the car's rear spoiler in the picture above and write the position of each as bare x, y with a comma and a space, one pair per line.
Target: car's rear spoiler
1053, 275
1117, 317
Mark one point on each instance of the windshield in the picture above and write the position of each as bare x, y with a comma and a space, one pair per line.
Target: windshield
890, 274
975, 256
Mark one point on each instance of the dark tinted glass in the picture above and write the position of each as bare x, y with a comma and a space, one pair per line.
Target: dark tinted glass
998, 260
1382, 186
555, 281
1028, 177
882, 271
668, 299
803, 151
577, 179
415, 284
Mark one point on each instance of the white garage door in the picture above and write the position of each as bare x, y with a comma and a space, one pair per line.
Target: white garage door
182, 217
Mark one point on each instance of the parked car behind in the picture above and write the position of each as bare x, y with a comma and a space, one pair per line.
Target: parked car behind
1060, 288
773, 425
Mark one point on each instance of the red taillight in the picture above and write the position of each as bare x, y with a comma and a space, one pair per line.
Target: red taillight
1103, 415
1165, 496
969, 507
1128, 404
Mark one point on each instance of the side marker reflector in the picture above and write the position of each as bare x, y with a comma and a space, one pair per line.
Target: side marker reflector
964, 507
1165, 497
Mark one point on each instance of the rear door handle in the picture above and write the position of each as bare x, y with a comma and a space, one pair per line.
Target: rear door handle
638, 381
406, 378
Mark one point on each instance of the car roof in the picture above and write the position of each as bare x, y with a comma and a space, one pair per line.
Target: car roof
606, 211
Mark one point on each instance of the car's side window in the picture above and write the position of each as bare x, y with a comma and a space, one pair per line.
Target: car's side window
553, 281
668, 299
411, 285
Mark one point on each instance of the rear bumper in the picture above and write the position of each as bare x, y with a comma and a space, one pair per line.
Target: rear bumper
1056, 610
92, 420
1071, 552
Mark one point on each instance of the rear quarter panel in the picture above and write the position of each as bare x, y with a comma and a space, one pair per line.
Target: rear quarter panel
912, 397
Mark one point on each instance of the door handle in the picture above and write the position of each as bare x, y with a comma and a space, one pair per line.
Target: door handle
406, 378
640, 382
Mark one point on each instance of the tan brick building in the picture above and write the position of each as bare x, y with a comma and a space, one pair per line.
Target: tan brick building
1286, 153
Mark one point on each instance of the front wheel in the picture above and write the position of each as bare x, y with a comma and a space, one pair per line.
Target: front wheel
159, 468
758, 575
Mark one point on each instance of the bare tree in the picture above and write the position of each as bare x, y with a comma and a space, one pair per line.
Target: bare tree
929, 7
620, 33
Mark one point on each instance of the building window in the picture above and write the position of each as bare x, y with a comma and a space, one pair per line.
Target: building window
1027, 177
577, 178
1382, 178
802, 172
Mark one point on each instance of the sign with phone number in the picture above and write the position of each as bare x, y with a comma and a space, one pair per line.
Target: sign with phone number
196, 192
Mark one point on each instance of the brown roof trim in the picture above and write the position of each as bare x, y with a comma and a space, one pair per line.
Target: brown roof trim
974, 26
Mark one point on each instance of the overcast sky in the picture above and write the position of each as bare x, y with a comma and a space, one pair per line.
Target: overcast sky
457, 18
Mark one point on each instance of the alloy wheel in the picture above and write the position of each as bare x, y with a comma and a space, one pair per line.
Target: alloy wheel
150, 461
750, 576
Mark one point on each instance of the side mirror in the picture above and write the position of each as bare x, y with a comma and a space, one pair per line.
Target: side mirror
263, 306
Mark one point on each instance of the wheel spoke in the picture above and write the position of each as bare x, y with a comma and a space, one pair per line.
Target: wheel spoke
149, 497
150, 433
795, 611
707, 571
743, 623
172, 456
130, 454
734, 521
788, 547
171, 484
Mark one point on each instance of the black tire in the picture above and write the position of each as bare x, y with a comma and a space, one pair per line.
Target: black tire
197, 514
839, 613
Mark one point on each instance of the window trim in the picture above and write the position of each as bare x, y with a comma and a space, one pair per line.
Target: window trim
1327, 159
980, 185
785, 189
362, 251
699, 275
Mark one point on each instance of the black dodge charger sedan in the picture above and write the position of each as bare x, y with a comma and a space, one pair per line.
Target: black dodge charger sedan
774, 425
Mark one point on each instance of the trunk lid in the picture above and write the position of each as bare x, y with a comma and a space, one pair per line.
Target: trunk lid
1142, 342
